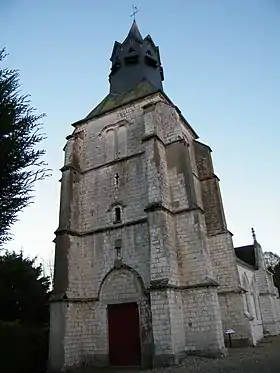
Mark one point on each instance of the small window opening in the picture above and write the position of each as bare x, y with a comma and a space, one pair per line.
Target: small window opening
118, 248
131, 50
118, 215
117, 178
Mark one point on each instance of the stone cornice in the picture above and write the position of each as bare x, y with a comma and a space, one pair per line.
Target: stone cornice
55, 298
268, 293
232, 291
75, 233
70, 167
219, 233
151, 136
162, 284
159, 206
155, 285
155, 136
150, 208
212, 177
201, 143
121, 159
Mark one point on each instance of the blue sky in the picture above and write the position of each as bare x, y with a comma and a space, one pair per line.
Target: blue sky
221, 61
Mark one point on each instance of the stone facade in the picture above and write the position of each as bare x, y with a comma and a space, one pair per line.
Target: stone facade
161, 237
247, 296
142, 221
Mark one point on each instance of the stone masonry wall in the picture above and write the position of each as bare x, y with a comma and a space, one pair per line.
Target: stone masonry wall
268, 306
193, 255
92, 257
175, 213
221, 247
85, 333
163, 342
86, 322
177, 322
100, 193
232, 311
88, 197
202, 319
121, 160
168, 326
224, 261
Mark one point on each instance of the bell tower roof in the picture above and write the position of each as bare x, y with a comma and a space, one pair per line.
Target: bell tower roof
133, 61
136, 71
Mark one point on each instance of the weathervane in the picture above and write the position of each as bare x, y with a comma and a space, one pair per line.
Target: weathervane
134, 11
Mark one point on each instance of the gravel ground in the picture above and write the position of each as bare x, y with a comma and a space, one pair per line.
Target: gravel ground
265, 358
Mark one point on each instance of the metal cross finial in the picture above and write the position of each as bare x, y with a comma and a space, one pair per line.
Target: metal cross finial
134, 12
254, 234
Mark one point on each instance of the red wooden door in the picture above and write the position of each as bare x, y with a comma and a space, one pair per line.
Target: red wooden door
124, 338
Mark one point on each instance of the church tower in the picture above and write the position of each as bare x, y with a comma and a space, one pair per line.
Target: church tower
134, 281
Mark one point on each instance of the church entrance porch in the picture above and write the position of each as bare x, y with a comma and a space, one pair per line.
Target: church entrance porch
124, 337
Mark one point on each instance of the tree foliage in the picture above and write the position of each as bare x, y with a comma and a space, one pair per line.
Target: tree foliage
21, 162
273, 265
24, 291
271, 260
276, 276
24, 314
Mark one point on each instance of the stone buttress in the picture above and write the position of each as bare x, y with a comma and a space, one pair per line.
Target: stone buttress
222, 252
268, 295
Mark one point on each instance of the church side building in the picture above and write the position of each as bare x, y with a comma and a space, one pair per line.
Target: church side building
145, 268
261, 297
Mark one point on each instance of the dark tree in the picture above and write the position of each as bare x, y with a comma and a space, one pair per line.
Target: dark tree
273, 265
24, 315
21, 162
276, 276
24, 291
271, 260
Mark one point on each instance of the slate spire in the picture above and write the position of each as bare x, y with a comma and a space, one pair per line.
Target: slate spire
134, 33
133, 61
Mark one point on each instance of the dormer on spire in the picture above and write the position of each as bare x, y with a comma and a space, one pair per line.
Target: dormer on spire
133, 61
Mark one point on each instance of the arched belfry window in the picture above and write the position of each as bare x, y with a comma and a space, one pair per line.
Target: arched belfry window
122, 141
115, 140
110, 144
